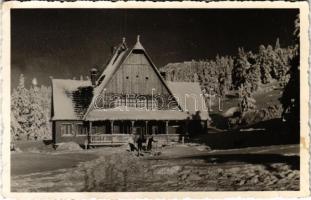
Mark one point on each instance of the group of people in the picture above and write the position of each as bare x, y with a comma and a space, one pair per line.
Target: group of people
136, 143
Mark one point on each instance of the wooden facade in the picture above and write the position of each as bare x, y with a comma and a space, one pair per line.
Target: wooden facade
136, 76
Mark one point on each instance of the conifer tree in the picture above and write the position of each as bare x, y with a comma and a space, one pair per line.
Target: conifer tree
20, 108
291, 95
239, 69
264, 64
37, 118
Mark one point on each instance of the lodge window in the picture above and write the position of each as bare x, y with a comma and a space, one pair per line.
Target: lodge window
141, 103
152, 104
131, 102
118, 102
123, 101
81, 130
66, 130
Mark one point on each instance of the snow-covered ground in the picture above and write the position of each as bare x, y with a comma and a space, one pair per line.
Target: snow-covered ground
188, 167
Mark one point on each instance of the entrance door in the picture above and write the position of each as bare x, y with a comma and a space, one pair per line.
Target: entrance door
139, 130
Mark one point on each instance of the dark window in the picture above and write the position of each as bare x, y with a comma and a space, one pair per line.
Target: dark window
147, 78
136, 76
155, 130
66, 130
127, 77
81, 130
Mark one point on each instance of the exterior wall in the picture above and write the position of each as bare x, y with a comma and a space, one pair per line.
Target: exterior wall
175, 130
58, 138
136, 76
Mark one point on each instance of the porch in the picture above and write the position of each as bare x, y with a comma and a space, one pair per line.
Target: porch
117, 132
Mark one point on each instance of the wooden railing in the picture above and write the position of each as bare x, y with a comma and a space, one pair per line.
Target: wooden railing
109, 138
168, 137
123, 138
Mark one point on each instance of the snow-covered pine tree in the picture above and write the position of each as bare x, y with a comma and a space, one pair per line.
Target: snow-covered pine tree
265, 66
45, 93
239, 69
37, 118
20, 103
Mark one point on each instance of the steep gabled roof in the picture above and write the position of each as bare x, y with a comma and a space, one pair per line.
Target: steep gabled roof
74, 99
119, 57
70, 98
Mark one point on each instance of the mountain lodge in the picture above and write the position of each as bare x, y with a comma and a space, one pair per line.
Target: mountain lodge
129, 96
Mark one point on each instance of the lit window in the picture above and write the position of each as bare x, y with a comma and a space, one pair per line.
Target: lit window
118, 102
123, 101
152, 104
141, 103
131, 102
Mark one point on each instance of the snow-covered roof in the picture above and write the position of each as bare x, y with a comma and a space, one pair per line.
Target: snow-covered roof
189, 96
70, 98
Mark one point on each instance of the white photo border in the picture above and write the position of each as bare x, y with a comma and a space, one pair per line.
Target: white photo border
304, 93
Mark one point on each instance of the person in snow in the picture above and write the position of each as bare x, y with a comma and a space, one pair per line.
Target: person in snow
149, 143
132, 143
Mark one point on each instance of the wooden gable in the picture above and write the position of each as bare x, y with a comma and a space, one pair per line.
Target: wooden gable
136, 75
133, 74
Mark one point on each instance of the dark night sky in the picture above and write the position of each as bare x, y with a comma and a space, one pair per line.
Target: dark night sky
67, 43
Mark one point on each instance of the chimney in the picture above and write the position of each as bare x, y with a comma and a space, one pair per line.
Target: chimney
93, 76
163, 74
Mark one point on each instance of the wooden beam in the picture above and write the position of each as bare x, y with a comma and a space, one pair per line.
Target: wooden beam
146, 122
186, 127
205, 126
166, 130
132, 128
111, 124
90, 128
90, 132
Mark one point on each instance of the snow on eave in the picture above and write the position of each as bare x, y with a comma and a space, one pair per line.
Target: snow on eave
63, 105
184, 91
